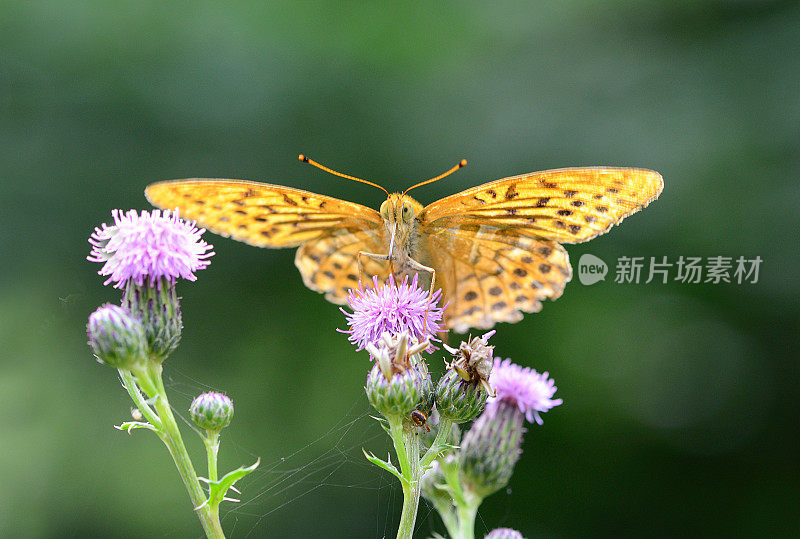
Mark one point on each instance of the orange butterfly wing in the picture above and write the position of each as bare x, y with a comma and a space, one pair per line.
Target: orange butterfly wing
495, 245
570, 205
329, 231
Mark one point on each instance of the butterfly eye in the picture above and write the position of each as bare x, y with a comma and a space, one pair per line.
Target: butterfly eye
406, 212
385, 211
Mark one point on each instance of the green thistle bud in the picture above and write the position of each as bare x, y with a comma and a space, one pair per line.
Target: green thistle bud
211, 411
116, 338
403, 392
462, 392
491, 448
457, 399
158, 307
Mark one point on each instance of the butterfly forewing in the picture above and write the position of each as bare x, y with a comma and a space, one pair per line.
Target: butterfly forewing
261, 214
566, 205
496, 244
329, 231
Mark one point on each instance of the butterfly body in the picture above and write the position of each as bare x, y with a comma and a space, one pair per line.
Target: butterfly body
408, 249
495, 248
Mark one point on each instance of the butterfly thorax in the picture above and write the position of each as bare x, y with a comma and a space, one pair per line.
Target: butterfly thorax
400, 214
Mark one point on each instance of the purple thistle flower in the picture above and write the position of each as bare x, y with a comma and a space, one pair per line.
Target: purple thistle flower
392, 308
524, 388
503, 533
148, 246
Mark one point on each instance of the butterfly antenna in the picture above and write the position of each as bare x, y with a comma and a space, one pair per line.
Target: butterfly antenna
459, 165
310, 161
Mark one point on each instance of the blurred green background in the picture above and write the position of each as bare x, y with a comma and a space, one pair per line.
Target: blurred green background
680, 400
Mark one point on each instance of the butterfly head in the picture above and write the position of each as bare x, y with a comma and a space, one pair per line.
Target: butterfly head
399, 213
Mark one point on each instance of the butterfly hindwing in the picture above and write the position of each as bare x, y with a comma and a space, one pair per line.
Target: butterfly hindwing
566, 205
493, 275
329, 264
261, 214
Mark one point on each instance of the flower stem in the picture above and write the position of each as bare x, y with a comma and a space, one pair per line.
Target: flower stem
396, 433
439, 444
466, 521
211, 441
411, 490
406, 445
461, 522
129, 383
171, 436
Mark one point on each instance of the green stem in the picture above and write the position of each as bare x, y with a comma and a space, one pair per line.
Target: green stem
171, 436
461, 523
411, 488
466, 521
211, 440
449, 517
396, 433
439, 444
129, 382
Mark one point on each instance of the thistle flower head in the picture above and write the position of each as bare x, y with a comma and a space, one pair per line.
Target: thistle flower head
492, 446
523, 387
148, 246
503, 533
393, 308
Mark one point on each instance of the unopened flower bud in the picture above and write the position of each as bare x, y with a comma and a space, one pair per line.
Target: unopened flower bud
116, 338
458, 400
211, 411
402, 393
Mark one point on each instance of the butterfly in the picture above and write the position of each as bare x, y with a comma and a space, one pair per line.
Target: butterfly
495, 249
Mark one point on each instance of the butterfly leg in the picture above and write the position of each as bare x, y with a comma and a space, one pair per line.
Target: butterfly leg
420, 267
373, 256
